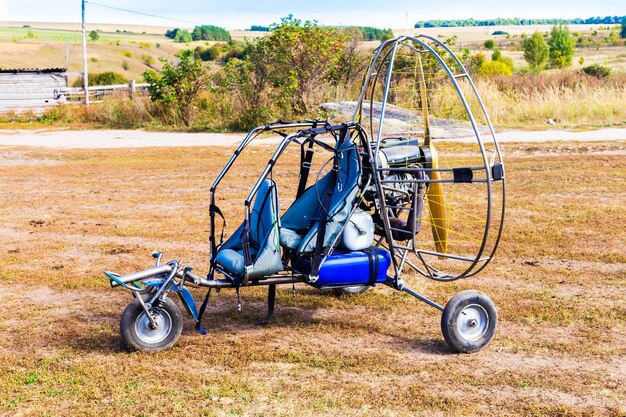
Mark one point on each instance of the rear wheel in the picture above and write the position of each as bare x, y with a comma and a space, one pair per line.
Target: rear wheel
351, 290
138, 333
469, 321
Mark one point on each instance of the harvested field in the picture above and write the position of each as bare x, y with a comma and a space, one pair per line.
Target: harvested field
559, 281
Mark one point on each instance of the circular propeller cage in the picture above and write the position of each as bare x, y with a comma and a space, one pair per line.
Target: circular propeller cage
416, 88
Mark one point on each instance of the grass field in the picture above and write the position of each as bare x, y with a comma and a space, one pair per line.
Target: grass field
559, 281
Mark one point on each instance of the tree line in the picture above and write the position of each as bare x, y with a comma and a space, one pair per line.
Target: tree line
374, 34
199, 33
606, 20
368, 33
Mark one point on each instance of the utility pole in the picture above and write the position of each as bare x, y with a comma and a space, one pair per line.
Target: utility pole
85, 76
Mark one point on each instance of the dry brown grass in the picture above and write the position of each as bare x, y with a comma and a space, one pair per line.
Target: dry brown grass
573, 100
559, 281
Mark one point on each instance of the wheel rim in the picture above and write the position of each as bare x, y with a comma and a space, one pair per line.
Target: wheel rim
472, 322
147, 334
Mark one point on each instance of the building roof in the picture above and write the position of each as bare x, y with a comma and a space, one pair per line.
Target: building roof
31, 70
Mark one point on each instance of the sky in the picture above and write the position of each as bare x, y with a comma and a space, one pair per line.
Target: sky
241, 14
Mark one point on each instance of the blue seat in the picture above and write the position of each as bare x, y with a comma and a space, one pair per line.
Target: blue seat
264, 238
299, 224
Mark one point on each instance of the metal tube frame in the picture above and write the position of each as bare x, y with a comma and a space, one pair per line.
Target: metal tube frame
172, 271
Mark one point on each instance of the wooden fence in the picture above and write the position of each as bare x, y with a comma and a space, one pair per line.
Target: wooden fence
98, 92
38, 96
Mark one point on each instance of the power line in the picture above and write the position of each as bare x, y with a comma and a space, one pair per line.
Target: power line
141, 13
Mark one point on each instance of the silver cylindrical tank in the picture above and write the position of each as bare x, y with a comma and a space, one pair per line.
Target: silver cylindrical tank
359, 232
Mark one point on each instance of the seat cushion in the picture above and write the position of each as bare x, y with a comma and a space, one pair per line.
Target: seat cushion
289, 238
231, 261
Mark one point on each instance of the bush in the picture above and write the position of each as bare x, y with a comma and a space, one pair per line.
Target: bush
596, 70
103, 78
178, 85
489, 44
497, 56
125, 65
475, 62
237, 50
208, 54
495, 68
148, 60
127, 54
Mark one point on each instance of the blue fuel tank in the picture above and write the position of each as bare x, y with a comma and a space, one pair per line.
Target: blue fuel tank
344, 268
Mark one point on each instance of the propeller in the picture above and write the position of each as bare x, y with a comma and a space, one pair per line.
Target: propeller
435, 196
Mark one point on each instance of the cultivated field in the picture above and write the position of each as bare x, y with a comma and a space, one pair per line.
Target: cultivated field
559, 281
107, 54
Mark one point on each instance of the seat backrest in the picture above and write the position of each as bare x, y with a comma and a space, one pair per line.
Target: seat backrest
264, 216
304, 214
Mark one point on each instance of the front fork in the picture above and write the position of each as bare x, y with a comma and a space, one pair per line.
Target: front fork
160, 287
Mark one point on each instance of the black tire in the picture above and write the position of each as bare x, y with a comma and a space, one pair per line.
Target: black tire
351, 290
469, 321
135, 327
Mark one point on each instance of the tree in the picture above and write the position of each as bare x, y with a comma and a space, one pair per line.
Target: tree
622, 33
178, 84
94, 35
210, 33
561, 46
182, 36
288, 71
535, 51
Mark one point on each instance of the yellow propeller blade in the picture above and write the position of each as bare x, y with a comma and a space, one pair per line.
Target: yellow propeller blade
437, 206
435, 196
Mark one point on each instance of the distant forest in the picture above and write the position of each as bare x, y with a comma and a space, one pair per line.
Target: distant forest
607, 20
258, 28
369, 33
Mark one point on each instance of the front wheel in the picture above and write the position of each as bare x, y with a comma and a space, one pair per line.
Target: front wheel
469, 321
137, 331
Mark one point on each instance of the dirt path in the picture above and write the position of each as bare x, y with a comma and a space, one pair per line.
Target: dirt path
101, 139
